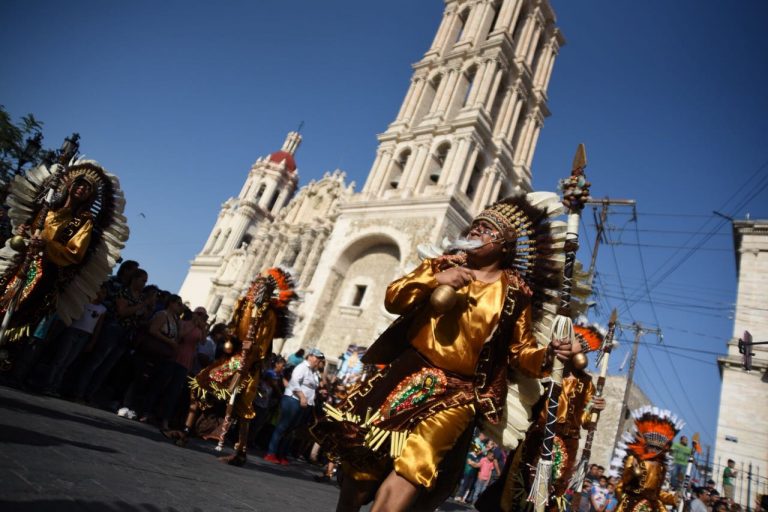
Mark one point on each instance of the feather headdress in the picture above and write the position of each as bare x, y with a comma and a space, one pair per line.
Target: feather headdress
589, 336
276, 285
538, 258
652, 433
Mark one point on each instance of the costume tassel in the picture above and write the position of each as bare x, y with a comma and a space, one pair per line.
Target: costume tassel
579, 474
539, 494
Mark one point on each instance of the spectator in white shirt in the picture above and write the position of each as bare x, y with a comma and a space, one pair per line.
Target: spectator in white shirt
297, 401
206, 350
78, 337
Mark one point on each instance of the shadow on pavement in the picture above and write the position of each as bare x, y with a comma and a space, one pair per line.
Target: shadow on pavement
84, 506
7, 402
16, 435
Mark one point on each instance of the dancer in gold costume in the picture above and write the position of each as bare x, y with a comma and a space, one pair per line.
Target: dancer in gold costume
443, 365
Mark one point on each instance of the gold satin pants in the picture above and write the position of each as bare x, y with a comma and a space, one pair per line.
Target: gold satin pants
424, 448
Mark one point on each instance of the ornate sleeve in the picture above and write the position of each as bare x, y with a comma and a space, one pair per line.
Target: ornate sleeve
411, 289
525, 355
74, 250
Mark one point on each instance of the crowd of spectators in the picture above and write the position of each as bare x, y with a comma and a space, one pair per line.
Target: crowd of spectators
482, 467
135, 346
134, 349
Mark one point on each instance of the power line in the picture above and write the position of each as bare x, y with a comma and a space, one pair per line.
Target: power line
685, 395
621, 284
677, 347
667, 214
678, 247
664, 381
686, 357
677, 284
664, 231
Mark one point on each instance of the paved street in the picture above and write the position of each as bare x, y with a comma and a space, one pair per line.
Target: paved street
60, 456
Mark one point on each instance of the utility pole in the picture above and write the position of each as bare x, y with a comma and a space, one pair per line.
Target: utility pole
749, 488
639, 331
600, 224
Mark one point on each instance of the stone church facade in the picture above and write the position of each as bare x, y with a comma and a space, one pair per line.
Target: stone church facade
464, 137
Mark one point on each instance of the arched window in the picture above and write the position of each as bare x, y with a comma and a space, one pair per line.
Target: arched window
496, 10
537, 53
428, 101
261, 190
462, 23
439, 161
498, 101
519, 24
273, 200
519, 127
469, 78
431, 100
398, 168
474, 179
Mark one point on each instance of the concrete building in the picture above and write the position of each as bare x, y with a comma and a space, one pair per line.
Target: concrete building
611, 421
464, 136
742, 424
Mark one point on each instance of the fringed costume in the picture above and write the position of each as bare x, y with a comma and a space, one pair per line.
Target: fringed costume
260, 316
81, 235
642, 456
438, 374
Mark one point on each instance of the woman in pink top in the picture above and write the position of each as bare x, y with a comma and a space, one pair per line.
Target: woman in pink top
487, 465
175, 371
192, 332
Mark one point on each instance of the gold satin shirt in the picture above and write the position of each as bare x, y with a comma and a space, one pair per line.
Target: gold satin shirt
74, 250
453, 340
577, 392
642, 479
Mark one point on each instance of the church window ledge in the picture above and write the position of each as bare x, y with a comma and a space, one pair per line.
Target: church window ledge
350, 310
392, 193
463, 46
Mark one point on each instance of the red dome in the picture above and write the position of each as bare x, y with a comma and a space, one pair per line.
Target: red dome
280, 156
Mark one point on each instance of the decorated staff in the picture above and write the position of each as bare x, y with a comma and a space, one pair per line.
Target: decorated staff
575, 193
602, 359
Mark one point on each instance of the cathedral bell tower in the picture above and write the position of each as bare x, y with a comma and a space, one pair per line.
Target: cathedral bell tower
269, 186
464, 137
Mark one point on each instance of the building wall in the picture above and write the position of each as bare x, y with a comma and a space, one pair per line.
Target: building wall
742, 425
610, 422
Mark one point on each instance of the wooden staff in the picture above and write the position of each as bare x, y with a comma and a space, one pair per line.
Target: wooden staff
575, 193
581, 471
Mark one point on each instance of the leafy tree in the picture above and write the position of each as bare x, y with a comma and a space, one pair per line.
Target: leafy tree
20, 145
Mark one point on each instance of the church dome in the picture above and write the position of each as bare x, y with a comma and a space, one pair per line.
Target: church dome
280, 156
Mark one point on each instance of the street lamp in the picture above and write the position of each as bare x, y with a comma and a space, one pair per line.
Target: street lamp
69, 148
31, 148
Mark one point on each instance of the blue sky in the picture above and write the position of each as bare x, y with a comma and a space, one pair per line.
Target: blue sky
180, 98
